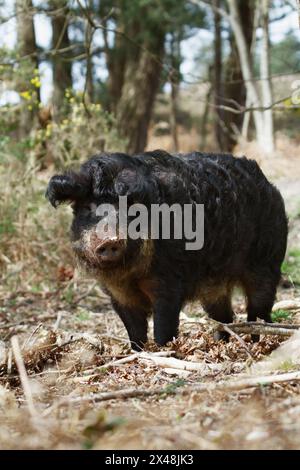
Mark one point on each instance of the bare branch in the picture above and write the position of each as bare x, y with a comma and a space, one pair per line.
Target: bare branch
230, 385
23, 376
260, 328
203, 3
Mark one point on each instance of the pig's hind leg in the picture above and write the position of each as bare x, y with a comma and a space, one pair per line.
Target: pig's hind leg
136, 324
220, 310
260, 287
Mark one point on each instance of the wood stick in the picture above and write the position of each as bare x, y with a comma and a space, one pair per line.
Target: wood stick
231, 385
119, 362
287, 305
173, 363
257, 381
23, 376
240, 340
260, 328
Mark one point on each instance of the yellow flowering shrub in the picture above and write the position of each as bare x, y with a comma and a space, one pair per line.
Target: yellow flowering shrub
85, 129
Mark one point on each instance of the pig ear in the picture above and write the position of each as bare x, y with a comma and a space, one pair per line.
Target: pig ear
126, 182
134, 184
68, 187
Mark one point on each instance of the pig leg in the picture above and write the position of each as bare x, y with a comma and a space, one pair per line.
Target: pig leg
136, 324
166, 319
221, 311
260, 289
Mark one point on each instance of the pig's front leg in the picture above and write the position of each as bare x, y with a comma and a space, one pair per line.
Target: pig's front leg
166, 318
136, 324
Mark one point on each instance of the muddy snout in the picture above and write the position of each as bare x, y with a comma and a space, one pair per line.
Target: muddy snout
97, 250
110, 250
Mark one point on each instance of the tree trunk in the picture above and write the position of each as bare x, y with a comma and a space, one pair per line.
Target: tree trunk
89, 79
267, 95
263, 116
115, 54
204, 119
28, 50
246, 67
62, 68
218, 77
175, 79
89, 71
116, 64
234, 88
141, 82
173, 115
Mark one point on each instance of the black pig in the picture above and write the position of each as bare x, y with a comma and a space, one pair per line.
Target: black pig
245, 235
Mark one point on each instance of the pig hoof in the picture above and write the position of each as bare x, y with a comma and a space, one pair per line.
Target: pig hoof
221, 336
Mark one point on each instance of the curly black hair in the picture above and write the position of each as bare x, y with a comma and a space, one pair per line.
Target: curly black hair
245, 235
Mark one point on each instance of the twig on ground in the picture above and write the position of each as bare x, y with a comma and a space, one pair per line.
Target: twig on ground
27, 340
173, 363
23, 376
232, 385
287, 305
100, 369
249, 382
58, 320
119, 362
259, 328
240, 340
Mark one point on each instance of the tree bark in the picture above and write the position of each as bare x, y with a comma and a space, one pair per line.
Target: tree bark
89, 79
267, 95
204, 119
62, 68
234, 88
141, 82
175, 78
116, 65
218, 77
115, 54
246, 67
28, 51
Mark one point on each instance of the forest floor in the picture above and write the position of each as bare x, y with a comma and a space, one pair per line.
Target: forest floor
235, 395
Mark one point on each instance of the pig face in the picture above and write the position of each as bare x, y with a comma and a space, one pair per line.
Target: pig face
96, 247
98, 240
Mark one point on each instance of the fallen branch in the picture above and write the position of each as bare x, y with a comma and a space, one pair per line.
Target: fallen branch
173, 363
234, 385
240, 340
257, 328
119, 362
23, 376
231, 385
287, 305
124, 360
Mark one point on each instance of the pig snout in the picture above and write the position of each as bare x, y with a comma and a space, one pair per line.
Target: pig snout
110, 250
97, 250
